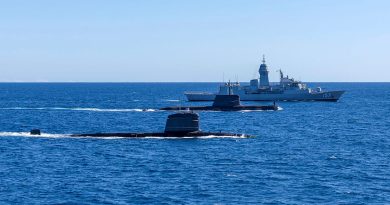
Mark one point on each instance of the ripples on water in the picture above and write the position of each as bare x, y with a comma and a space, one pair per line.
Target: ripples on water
309, 152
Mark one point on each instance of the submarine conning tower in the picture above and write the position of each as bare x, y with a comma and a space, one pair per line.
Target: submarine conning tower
263, 71
226, 101
182, 123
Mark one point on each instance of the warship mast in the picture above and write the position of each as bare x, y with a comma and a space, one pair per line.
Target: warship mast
263, 71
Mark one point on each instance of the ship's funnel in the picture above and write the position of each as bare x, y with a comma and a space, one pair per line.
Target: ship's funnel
182, 123
226, 101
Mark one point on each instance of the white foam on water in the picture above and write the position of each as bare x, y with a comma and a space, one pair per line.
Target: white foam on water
332, 157
172, 100
252, 110
48, 135
150, 110
27, 134
81, 109
106, 110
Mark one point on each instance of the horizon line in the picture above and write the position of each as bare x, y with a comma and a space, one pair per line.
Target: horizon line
179, 82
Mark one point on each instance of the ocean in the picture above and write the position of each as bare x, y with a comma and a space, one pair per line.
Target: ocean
307, 153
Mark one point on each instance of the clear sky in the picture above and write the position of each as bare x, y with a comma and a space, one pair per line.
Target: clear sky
197, 41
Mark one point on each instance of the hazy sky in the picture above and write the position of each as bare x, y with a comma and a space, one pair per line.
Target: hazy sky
127, 41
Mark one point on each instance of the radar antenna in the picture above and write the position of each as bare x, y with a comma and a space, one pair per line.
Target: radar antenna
229, 88
281, 73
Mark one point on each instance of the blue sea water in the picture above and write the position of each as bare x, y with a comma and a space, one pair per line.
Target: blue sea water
307, 153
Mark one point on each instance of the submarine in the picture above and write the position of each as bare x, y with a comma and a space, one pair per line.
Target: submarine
181, 124
228, 102
225, 102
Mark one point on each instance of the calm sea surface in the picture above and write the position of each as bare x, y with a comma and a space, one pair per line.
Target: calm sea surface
310, 152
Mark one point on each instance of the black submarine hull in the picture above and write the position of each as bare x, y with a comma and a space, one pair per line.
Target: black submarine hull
160, 134
212, 108
182, 124
225, 103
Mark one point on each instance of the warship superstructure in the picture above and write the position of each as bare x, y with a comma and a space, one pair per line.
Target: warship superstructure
260, 89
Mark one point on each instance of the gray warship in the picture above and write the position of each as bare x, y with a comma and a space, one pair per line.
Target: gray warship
260, 89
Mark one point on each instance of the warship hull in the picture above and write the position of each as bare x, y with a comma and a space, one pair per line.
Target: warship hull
317, 96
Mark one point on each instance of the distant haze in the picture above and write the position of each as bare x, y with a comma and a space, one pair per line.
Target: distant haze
196, 41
